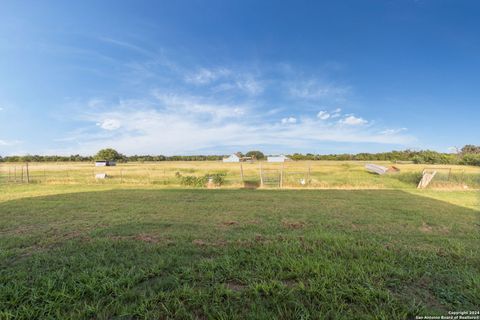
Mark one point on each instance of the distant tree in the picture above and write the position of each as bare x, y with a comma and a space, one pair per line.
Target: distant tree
255, 154
109, 154
470, 149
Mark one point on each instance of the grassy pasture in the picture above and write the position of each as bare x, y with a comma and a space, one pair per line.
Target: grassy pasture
319, 174
121, 252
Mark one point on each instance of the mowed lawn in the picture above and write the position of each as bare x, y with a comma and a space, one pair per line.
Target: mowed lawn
236, 254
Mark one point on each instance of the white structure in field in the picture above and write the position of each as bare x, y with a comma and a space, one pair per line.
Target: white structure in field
280, 158
105, 163
232, 158
375, 168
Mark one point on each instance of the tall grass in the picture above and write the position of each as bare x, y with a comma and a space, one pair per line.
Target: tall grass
298, 174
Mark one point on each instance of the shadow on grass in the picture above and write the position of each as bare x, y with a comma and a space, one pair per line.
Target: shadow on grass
237, 254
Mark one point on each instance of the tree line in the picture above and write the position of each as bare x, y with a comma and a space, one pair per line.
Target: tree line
468, 155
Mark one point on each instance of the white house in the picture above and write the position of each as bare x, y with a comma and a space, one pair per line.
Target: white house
232, 158
280, 158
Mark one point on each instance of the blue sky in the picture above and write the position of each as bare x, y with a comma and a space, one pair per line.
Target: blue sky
213, 77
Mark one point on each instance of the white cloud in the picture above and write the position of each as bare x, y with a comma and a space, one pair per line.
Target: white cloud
9, 142
183, 124
199, 106
250, 86
314, 90
95, 102
351, 120
289, 120
205, 76
323, 115
392, 131
109, 124
453, 150
230, 111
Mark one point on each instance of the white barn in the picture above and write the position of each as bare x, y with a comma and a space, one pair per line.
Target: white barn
232, 158
280, 158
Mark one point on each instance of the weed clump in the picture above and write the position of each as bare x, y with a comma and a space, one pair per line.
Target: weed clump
411, 178
216, 179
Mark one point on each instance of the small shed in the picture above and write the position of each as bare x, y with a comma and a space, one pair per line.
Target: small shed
105, 163
232, 158
279, 158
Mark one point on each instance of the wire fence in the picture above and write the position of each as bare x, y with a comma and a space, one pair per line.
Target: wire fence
261, 174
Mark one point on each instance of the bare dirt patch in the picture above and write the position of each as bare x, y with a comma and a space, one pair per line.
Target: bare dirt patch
228, 223
259, 238
144, 238
426, 228
293, 224
199, 242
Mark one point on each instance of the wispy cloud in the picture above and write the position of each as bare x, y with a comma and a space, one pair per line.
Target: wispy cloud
351, 120
315, 90
180, 108
289, 120
109, 124
127, 45
389, 132
323, 115
204, 76
9, 142
172, 123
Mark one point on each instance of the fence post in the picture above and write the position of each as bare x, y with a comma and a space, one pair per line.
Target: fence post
281, 175
308, 175
241, 171
28, 173
261, 175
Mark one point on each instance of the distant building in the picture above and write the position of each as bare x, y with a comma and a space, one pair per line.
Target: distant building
280, 158
232, 158
105, 163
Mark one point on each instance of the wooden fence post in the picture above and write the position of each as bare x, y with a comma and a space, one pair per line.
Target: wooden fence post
241, 172
28, 173
281, 175
261, 175
308, 175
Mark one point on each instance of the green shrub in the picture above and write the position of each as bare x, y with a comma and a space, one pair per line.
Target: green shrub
471, 159
218, 179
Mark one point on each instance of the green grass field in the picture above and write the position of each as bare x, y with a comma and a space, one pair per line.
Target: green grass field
146, 252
